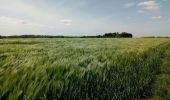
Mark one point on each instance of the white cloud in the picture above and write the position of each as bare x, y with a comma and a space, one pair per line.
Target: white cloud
23, 9
16, 26
141, 11
4, 20
157, 17
128, 5
67, 22
149, 5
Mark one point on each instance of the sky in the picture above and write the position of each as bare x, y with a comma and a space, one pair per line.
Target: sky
84, 17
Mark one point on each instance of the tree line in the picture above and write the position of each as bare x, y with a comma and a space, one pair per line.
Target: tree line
117, 35
106, 35
31, 36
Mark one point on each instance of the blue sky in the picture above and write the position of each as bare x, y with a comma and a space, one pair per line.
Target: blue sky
85, 17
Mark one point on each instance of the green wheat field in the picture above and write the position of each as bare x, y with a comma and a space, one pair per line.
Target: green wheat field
85, 69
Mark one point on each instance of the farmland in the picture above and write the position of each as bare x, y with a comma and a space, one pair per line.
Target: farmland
77, 68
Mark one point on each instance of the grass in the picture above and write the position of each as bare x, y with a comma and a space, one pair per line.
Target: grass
73, 69
161, 86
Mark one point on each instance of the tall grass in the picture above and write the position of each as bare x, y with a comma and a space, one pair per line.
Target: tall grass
75, 69
161, 85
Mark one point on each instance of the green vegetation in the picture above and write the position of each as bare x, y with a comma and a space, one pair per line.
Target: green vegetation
75, 69
161, 86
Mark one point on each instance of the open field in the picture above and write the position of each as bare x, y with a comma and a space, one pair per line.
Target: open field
75, 69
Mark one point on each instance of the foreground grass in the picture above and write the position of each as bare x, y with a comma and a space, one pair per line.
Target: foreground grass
161, 86
71, 69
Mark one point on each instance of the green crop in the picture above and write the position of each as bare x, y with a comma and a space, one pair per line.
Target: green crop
79, 69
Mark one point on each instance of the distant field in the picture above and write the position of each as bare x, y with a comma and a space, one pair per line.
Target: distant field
75, 69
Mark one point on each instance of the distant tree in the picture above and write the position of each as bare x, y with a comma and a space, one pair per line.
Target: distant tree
126, 35
99, 36
114, 34
108, 35
118, 35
